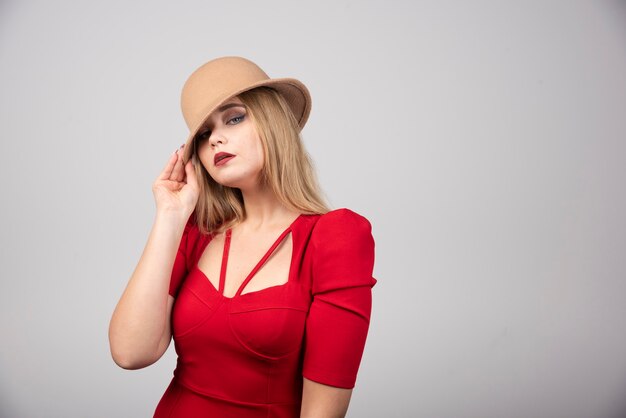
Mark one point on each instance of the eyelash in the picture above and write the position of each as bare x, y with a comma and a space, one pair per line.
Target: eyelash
240, 117
204, 135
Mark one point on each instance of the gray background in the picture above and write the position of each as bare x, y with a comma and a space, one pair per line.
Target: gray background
485, 141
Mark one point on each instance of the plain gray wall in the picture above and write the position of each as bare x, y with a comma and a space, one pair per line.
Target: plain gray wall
485, 141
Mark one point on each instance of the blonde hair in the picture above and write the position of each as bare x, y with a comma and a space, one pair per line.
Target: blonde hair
287, 169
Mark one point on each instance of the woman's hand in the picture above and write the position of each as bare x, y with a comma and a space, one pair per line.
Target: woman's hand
176, 188
140, 328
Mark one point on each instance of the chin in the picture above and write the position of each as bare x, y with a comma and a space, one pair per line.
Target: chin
225, 182
235, 183
241, 181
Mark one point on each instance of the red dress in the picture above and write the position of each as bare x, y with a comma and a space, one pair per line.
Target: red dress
244, 356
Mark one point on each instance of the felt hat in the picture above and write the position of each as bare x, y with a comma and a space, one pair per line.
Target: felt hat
220, 79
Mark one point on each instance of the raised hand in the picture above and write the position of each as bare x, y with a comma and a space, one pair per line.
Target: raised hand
176, 188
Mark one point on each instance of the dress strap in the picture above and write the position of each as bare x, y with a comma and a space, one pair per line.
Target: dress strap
224, 260
263, 260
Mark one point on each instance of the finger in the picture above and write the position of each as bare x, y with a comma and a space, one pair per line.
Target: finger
190, 171
179, 169
174, 176
185, 153
167, 171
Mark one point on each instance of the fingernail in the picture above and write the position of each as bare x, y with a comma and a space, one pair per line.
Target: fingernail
182, 145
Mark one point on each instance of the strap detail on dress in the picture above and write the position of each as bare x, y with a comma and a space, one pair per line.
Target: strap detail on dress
224, 260
263, 260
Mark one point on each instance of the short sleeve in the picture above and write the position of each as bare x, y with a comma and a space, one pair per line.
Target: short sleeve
338, 320
179, 271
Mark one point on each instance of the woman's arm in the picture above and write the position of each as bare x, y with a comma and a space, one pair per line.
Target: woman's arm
336, 328
139, 332
323, 401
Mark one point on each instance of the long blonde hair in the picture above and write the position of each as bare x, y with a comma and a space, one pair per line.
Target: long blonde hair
287, 169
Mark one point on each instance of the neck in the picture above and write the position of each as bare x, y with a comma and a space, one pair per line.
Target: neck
263, 209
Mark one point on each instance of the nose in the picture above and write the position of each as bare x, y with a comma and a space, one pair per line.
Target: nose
217, 138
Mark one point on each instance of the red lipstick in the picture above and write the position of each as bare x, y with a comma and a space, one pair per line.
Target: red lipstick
222, 158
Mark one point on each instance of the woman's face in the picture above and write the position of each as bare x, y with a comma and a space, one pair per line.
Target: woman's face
230, 148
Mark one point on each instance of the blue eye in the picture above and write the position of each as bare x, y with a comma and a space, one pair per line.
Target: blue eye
236, 119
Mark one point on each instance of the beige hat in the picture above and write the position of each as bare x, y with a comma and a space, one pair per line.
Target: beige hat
223, 78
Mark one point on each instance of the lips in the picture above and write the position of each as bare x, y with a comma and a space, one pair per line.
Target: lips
222, 158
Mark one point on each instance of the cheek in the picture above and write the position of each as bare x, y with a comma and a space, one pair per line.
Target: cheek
205, 158
259, 155
204, 155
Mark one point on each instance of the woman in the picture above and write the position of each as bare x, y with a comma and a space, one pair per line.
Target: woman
266, 293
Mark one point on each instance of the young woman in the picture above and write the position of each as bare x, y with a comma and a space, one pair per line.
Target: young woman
266, 292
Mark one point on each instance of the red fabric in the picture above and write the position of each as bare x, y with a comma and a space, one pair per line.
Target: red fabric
245, 356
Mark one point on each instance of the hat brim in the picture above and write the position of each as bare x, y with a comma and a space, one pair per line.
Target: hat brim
295, 93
